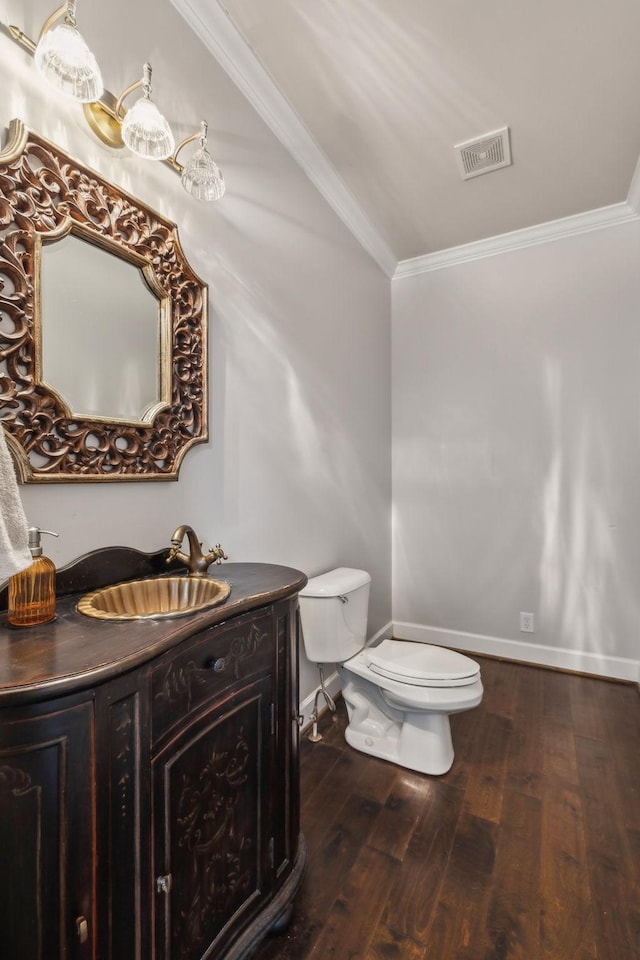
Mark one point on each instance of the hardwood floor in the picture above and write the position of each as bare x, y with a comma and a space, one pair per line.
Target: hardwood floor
528, 848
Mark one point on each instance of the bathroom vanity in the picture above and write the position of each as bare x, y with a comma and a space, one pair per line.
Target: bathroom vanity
149, 788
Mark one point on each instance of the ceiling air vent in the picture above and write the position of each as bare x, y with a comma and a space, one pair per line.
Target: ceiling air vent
484, 154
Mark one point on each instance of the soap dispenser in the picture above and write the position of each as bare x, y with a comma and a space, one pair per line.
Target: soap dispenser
32, 592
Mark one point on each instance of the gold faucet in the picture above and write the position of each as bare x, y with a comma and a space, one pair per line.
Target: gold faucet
196, 562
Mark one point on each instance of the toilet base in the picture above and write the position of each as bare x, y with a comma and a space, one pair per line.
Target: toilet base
419, 741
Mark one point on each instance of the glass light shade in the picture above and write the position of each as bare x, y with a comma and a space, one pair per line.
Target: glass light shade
202, 178
65, 61
146, 132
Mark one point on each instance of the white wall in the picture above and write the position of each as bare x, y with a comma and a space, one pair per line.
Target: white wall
297, 470
516, 452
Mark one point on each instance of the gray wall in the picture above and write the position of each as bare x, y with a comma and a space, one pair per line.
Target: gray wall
297, 470
517, 452
515, 412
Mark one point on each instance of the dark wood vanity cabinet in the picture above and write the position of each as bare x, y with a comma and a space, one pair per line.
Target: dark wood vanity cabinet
47, 832
153, 815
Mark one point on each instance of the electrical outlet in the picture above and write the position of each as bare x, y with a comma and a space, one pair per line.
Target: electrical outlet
526, 623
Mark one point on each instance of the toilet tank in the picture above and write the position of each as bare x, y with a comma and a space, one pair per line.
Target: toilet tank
333, 611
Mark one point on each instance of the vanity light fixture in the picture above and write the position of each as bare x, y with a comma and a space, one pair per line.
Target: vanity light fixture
144, 130
201, 175
64, 59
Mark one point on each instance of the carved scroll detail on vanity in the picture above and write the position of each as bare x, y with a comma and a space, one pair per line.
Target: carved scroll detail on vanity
179, 681
210, 832
43, 192
15, 781
244, 647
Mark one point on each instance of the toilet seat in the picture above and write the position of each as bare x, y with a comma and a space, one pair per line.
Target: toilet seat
421, 664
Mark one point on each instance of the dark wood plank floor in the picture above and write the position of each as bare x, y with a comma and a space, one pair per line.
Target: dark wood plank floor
528, 848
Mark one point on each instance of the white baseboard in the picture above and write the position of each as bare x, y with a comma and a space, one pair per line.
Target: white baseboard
332, 683
597, 664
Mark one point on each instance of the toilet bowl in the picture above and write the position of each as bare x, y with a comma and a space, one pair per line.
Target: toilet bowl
399, 693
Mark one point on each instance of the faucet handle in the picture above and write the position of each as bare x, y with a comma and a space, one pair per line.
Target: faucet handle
218, 555
173, 551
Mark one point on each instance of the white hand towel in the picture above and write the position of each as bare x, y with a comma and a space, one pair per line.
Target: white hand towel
14, 532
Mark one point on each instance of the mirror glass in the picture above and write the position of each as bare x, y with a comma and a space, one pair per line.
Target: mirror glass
102, 306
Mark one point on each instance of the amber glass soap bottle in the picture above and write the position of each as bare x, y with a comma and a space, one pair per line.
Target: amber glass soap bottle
32, 592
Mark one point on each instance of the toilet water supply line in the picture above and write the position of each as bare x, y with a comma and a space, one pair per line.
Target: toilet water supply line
314, 736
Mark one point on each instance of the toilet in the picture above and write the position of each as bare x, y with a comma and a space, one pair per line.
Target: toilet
399, 693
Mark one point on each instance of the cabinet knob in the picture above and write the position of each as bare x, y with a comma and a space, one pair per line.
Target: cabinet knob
218, 665
163, 884
82, 929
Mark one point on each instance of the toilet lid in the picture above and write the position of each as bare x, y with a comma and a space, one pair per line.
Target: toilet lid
422, 664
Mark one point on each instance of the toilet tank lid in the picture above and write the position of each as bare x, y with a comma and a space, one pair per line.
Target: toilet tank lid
335, 583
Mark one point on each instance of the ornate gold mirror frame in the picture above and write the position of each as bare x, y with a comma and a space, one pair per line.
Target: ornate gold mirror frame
45, 194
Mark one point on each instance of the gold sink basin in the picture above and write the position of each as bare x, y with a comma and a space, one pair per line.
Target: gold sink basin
157, 598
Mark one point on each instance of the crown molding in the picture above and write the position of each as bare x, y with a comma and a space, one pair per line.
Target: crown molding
598, 219
212, 24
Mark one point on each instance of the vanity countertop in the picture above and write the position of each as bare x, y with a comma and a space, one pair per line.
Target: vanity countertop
74, 652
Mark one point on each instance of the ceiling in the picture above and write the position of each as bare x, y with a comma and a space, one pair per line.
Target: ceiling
372, 95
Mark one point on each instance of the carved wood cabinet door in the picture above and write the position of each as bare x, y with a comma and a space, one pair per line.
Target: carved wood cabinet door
47, 829
212, 850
